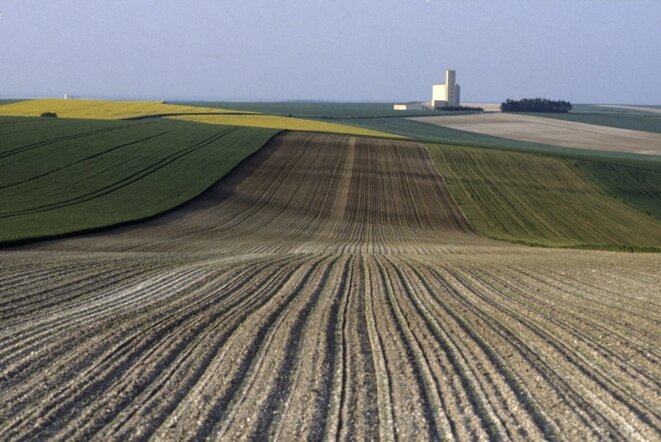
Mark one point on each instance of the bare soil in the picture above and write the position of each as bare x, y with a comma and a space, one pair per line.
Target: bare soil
329, 288
553, 131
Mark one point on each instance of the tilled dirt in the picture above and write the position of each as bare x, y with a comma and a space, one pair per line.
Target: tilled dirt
329, 288
552, 131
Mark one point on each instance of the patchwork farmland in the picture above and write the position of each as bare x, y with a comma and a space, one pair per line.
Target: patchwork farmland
339, 287
553, 132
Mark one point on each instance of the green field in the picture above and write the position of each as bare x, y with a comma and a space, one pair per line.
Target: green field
60, 176
629, 177
313, 109
596, 109
633, 121
4, 101
540, 200
637, 182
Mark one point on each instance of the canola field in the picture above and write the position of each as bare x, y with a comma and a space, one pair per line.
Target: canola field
280, 122
121, 110
97, 109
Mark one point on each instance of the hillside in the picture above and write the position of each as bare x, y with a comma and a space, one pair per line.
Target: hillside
327, 288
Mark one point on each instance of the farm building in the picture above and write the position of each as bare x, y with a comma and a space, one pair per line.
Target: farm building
446, 94
411, 105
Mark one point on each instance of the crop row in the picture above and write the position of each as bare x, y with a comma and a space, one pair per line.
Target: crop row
93, 175
540, 200
329, 288
313, 346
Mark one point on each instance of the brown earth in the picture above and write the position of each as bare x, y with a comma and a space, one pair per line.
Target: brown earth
552, 131
329, 288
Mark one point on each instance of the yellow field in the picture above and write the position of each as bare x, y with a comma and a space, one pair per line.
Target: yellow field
96, 109
116, 110
276, 122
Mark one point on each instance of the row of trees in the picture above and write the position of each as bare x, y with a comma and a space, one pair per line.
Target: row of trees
535, 105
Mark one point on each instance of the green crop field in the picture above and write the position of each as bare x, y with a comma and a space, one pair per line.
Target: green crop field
629, 177
4, 101
632, 120
596, 109
541, 200
313, 109
61, 176
637, 182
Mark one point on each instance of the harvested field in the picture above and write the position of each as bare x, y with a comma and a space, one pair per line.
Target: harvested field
329, 288
554, 132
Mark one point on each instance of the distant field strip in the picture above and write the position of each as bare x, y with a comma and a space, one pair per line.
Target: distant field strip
651, 109
121, 110
97, 109
554, 132
60, 177
633, 121
328, 288
540, 200
311, 193
279, 122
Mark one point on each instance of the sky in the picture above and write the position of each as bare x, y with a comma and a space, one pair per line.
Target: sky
584, 51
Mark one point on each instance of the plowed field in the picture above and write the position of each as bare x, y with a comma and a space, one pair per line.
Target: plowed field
329, 288
554, 132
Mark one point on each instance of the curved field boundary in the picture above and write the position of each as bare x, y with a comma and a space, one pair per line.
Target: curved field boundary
281, 122
315, 192
88, 179
540, 200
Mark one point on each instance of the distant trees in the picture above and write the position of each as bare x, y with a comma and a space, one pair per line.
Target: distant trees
535, 105
462, 108
49, 115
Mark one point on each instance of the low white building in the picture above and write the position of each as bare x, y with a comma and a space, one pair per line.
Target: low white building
446, 94
411, 105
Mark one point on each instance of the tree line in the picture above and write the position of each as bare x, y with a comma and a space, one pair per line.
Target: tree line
535, 105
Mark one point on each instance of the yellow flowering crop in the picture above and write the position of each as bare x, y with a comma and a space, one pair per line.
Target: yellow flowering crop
277, 122
96, 109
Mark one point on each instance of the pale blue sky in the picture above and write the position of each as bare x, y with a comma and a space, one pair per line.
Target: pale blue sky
593, 51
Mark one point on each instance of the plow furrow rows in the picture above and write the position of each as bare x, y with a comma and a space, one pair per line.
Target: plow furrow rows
329, 289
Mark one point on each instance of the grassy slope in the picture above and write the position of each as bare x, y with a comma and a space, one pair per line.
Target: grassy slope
638, 183
62, 176
540, 200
